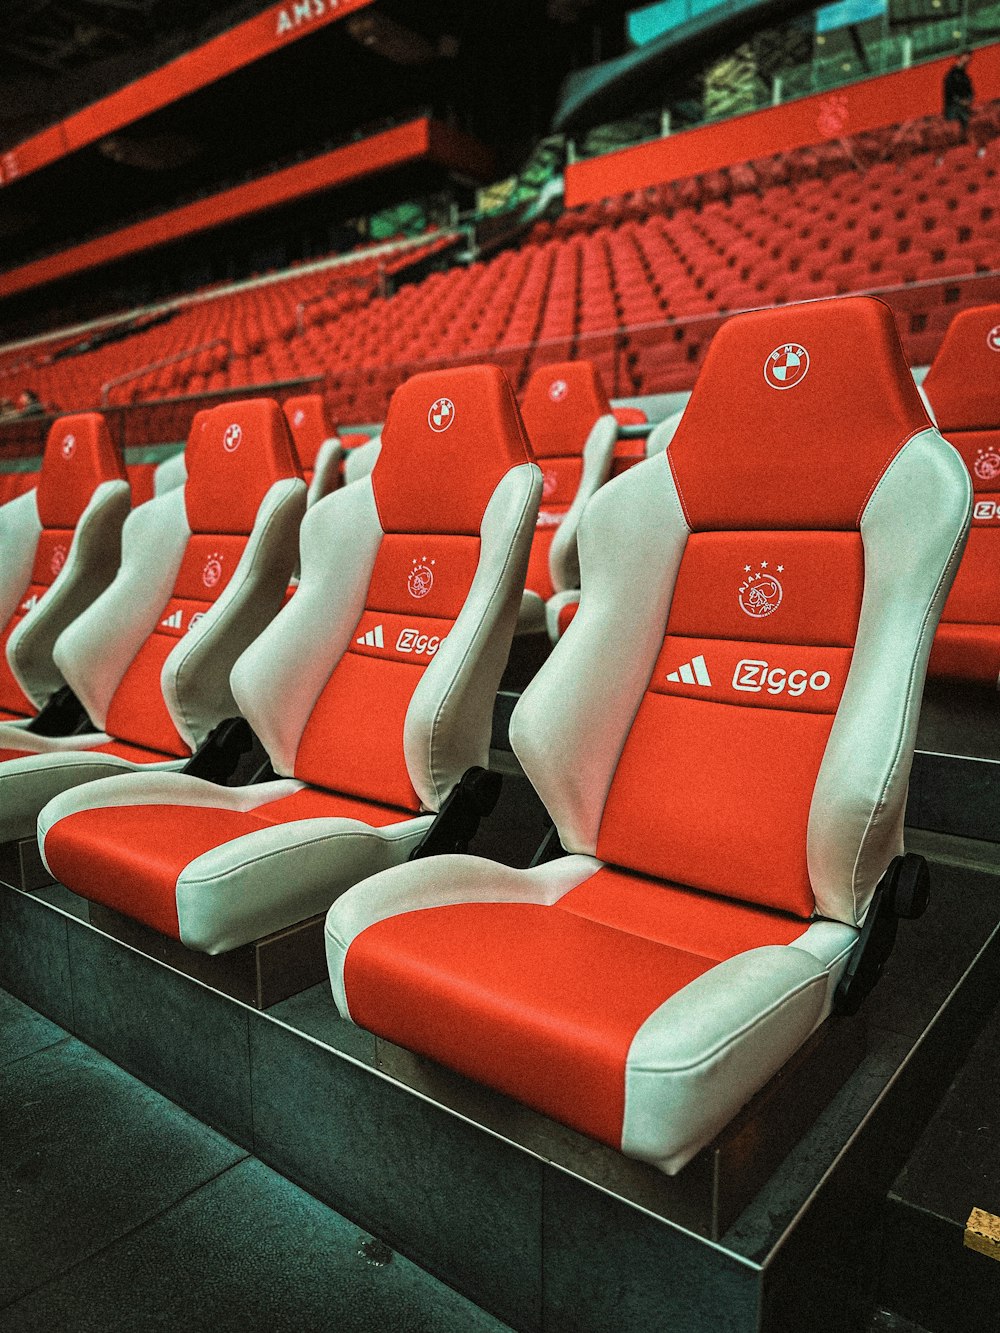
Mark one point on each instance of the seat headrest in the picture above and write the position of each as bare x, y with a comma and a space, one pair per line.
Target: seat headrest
449, 437
962, 383
796, 414
235, 453
79, 455
560, 406
306, 419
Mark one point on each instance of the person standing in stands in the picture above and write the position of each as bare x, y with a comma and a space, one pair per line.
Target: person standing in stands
958, 93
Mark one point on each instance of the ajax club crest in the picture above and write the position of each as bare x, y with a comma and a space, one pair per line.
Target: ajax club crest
761, 591
58, 559
421, 578
212, 572
786, 366
987, 465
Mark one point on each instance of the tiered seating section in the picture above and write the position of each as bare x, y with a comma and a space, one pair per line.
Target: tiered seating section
637, 284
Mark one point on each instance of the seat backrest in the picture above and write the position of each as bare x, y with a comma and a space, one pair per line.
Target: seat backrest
204, 568
963, 389
572, 430
316, 444
377, 680
60, 545
734, 705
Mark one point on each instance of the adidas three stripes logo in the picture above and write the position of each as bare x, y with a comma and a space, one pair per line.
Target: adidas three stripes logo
694, 672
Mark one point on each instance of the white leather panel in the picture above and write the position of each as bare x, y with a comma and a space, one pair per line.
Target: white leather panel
91, 563
326, 472
450, 714
277, 681
554, 605
704, 1052
195, 677
531, 614
598, 453
95, 651
856, 816
441, 881
360, 462
170, 474
658, 439
20, 529
571, 723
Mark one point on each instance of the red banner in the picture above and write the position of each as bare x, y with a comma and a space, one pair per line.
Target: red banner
271, 29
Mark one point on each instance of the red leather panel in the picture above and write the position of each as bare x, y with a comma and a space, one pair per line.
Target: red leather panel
699, 923
841, 419
129, 857
538, 1003
767, 675
560, 406
141, 478
137, 712
430, 574
50, 556
353, 741
539, 576
79, 456
629, 416
975, 595
449, 438
967, 652
566, 614
234, 457
135, 754
12, 754
560, 482
386, 637
208, 564
717, 797
961, 384
801, 587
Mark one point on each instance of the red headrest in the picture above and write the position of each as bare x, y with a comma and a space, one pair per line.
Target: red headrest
560, 406
963, 384
306, 419
796, 414
449, 437
79, 455
630, 416
235, 453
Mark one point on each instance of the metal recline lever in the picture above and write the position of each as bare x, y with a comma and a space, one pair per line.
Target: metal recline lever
902, 895
455, 824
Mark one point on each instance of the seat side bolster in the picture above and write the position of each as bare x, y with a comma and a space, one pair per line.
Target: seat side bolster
96, 649
326, 472
195, 677
360, 462
658, 439
705, 1051
20, 530
572, 721
913, 530
553, 608
441, 881
91, 563
598, 455
278, 679
170, 474
449, 718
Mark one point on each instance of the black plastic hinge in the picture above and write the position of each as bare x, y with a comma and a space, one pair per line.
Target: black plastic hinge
471, 800
902, 895
62, 715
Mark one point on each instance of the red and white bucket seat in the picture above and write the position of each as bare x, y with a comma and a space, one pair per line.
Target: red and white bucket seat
372, 691
723, 739
60, 545
203, 570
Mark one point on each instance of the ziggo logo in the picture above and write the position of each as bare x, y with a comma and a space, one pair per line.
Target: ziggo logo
412, 641
753, 675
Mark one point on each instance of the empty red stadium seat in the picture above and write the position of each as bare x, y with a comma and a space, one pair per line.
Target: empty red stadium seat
372, 692
963, 389
59, 549
316, 444
203, 570
573, 432
723, 739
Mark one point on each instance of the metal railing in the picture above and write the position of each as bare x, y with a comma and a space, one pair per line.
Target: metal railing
141, 371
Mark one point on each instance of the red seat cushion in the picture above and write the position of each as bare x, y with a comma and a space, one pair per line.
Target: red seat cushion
129, 857
543, 1003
